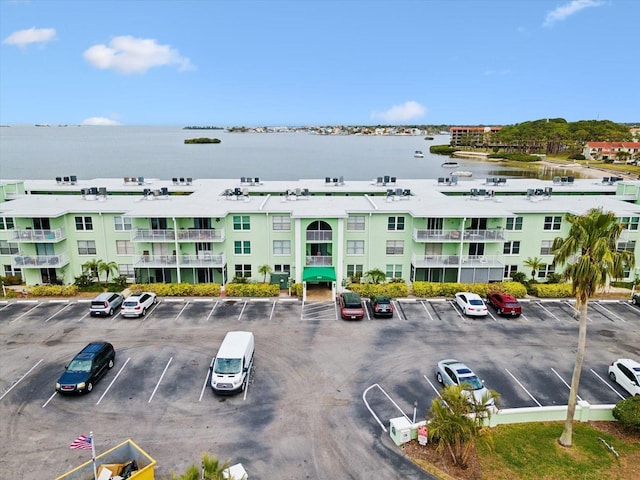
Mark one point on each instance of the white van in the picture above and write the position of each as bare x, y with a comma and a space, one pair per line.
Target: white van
233, 362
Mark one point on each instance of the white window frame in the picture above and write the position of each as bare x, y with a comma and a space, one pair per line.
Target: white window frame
125, 247
121, 224
281, 223
395, 247
356, 223
355, 247
393, 270
282, 247
88, 245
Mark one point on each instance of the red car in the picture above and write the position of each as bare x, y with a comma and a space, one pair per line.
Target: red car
504, 304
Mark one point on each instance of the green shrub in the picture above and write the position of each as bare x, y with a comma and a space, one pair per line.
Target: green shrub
577, 156
555, 290
394, 290
442, 149
296, 289
519, 277
431, 289
627, 412
252, 290
53, 290
11, 280
178, 289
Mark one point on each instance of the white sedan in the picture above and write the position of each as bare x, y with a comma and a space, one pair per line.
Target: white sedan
626, 373
471, 304
137, 304
453, 372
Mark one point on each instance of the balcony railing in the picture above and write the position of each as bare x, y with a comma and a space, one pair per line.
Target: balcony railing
39, 235
475, 235
40, 261
166, 235
319, 261
455, 261
319, 235
174, 261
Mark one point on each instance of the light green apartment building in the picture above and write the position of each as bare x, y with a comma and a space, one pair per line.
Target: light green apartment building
318, 231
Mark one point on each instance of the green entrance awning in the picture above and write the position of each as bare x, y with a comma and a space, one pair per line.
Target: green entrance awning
319, 274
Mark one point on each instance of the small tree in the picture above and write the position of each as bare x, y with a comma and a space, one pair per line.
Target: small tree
264, 270
210, 469
90, 268
627, 412
376, 275
108, 268
535, 264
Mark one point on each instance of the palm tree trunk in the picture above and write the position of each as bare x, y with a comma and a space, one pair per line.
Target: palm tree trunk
567, 434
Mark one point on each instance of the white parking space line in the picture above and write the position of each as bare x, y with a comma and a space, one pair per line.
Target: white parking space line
49, 399
606, 383
523, 388
396, 308
25, 313
7, 304
182, 310
113, 381
21, 378
83, 317
565, 383
491, 315
432, 386
575, 310
273, 309
547, 310
244, 305
453, 305
206, 379
246, 385
160, 379
522, 315
599, 305
632, 307
211, 311
424, 305
58, 312
364, 398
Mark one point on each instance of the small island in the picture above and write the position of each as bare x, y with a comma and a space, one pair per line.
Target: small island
202, 140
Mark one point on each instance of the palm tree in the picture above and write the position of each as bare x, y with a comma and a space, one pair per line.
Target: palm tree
590, 253
210, 469
264, 270
376, 275
108, 268
535, 264
90, 268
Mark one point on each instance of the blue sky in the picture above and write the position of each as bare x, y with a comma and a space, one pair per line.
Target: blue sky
317, 62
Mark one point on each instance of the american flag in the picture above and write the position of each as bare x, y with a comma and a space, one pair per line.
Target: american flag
83, 442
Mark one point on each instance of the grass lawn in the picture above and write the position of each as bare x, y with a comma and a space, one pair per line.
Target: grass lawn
531, 451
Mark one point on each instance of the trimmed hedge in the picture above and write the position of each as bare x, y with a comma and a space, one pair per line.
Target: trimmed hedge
395, 290
431, 289
53, 290
554, 290
178, 289
252, 290
442, 149
627, 412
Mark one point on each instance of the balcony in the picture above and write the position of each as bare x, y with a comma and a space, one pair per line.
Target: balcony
38, 235
455, 261
319, 261
319, 235
40, 261
475, 235
190, 235
203, 259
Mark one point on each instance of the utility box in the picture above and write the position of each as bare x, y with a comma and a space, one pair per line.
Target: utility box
400, 430
235, 472
281, 279
114, 459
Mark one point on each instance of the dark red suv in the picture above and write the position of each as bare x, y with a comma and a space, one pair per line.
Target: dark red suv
504, 304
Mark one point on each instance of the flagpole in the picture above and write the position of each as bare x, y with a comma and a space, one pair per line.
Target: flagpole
93, 457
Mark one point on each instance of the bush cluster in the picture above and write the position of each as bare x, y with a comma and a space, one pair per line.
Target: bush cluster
395, 290
178, 289
442, 149
252, 290
431, 289
11, 280
53, 290
555, 290
627, 412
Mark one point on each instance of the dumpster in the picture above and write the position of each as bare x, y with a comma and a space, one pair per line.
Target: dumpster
114, 461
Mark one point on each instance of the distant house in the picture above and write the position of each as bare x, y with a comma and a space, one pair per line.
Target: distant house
471, 136
610, 150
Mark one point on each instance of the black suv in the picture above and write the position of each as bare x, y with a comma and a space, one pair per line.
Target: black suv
382, 306
86, 368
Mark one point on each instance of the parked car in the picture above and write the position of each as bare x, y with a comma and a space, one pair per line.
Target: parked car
626, 373
382, 306
106, 303
351, 306
504, 303
87, 368
137, 304
453, 372
471, 304
635, 299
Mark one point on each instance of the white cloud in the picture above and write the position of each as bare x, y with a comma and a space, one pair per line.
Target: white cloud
127, 54
22, 38
401, 113
99, 121
564, 11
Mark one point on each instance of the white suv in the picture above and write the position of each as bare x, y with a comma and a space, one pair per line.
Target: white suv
626, 373
137, 304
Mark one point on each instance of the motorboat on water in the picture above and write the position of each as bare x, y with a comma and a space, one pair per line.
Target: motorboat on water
418, 154
450, 165
462, 173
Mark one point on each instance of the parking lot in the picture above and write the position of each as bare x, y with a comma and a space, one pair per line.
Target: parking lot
303, 414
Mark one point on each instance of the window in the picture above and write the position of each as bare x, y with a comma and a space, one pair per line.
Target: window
126, 270
243, 270
355, 247
282, 247
514, 223
280, 222
122, 223
242, 247
86, 247
158, 224
629, 246
510, 270
6, 223
241, 222
545, 247
395, 223
84, 223
284, 268
552, 223
355, 222
354, 270
395, 247
545, 270
394, 271
631, 222
124, 247
511, 248
7, 248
